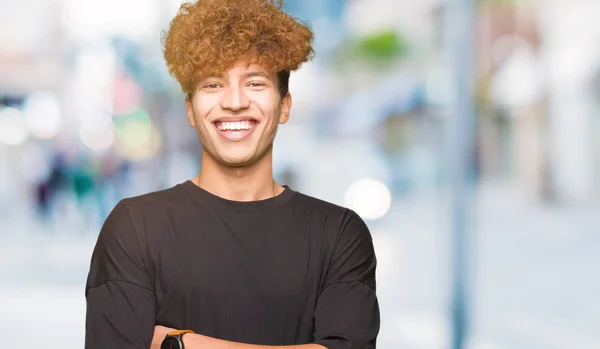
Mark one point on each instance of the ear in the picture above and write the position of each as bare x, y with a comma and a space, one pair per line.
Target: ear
286, 106
190, 111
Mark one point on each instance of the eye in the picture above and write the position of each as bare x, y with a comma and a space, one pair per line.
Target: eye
256, 84
212, 85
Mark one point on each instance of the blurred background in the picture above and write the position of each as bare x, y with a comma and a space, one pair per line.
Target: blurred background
89, 115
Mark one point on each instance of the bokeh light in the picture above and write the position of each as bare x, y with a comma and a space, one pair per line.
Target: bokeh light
98, 139
43, 115
370, 198
142, 150
137, 139
127, 95
13, 129
133, 129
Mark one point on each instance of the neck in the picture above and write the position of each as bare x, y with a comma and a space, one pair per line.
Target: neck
251, 183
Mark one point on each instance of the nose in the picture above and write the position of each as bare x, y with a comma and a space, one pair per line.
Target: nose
234, 99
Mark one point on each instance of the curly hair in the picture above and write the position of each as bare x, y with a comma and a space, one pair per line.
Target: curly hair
209, 36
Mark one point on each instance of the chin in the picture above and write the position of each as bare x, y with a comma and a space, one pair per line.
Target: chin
231, 160
238, 157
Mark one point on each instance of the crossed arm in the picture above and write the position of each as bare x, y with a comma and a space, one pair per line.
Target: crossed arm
197, 341
122, 315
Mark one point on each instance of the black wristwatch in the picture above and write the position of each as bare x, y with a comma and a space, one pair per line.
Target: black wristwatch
174, 340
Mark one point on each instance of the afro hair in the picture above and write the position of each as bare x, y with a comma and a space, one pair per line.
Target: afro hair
209, 36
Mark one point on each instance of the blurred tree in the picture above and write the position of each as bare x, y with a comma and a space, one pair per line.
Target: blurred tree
377, 50
384, 45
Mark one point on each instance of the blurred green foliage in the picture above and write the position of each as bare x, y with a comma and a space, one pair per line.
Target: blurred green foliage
385, 45
377, 50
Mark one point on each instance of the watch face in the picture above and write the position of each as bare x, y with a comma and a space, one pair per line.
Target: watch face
171, 343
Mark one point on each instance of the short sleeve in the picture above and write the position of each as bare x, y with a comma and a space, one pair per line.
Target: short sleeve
347, 311
120, 300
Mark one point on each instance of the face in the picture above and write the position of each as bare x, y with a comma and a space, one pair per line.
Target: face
236, 114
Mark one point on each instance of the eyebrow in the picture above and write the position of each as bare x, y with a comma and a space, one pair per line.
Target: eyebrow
244, 76
219, 75
255, 73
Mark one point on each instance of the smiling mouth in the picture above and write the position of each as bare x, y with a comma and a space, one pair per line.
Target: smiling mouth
232, 126
235, 131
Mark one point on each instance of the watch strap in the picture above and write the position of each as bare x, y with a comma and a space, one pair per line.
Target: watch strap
178, 336
178, 333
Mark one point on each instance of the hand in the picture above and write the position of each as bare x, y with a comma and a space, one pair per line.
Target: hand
160, 332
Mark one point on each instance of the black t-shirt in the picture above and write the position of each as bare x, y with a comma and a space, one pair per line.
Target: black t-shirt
290, 269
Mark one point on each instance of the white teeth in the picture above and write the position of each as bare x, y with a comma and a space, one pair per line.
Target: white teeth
235, 125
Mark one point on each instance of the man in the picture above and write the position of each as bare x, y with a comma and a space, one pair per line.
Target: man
231, 256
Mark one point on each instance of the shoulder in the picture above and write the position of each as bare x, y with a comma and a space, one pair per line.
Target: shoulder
152, 203
136, 220
147, 210
317, 206
162, 197
334, 218
347, 250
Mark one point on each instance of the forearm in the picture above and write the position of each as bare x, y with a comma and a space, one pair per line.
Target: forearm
197, 341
